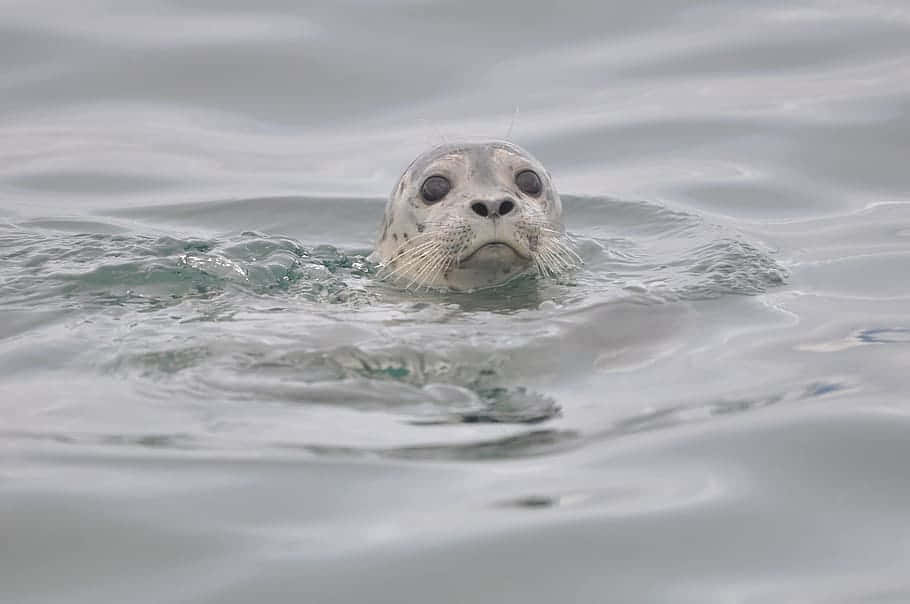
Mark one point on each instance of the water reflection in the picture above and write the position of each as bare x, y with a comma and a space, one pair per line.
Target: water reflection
198, 369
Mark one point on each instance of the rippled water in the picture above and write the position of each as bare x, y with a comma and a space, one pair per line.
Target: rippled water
206, 395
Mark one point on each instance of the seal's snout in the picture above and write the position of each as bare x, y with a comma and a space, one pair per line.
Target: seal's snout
492, 209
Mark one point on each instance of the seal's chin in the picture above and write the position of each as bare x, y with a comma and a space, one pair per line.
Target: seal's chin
489, 265
493, 255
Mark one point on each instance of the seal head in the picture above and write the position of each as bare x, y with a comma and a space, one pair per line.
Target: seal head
466, 216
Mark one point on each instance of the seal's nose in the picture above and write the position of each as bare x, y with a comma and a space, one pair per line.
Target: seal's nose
493, 209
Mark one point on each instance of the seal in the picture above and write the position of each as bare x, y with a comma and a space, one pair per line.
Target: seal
472, 215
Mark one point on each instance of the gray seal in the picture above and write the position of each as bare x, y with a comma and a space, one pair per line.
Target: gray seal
466, 216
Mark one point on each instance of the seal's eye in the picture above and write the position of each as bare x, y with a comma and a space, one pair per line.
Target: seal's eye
435, 188
529, 182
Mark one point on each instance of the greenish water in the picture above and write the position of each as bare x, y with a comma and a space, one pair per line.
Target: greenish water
206, 395
269, 319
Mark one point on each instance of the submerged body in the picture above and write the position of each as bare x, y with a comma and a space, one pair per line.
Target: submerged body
471, 215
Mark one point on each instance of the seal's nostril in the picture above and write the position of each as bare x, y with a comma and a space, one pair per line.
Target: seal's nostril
480, 208
506, 206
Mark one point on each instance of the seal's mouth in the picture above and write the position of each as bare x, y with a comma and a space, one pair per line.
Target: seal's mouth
493, 250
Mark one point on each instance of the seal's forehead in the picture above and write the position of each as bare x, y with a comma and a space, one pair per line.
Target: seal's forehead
474, 153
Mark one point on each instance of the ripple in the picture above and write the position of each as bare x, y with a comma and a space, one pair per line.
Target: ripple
526, 444
116, 269
885, 335
457, 358
648, 248
423, 388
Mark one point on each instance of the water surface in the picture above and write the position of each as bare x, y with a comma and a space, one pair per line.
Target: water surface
206, 395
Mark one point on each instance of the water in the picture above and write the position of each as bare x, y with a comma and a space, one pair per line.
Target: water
205, 395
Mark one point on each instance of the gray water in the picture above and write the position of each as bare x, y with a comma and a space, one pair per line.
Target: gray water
206, 396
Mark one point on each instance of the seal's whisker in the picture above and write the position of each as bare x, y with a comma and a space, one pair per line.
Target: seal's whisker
424, 250
551, 269
553, 265
551, 232
542, 268
407, 255
415, 244
569, 252
547, 230
429, 266
561, 254
436, 273
548, 247
566, 261
556, 259
422, 259
402, 261
401, 268
420, 275
428, 271
543, 262
569, 247
405, 262
561, 235
561, 242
